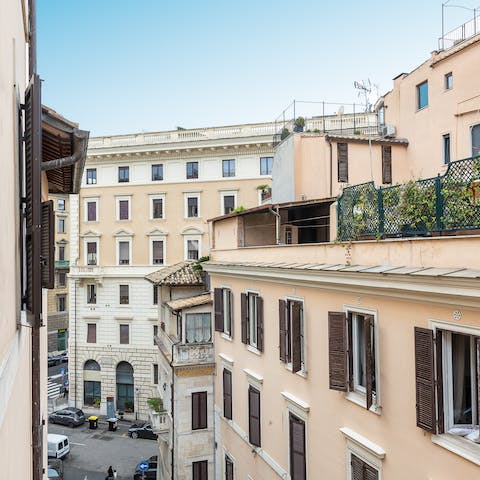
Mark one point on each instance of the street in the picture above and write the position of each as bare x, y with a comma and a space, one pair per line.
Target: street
57, 369
92, 451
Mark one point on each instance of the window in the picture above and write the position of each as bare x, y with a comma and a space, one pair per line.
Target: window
91, 176
422, 95
91, 393
252, 320
123, 174
157, 172
192, 169
228, 203
446, 148
360, 470
61, 204
254, 416
228, 468
157, 252
199, 410
157, 208
155, 298
386, 164
449, 81
381, 115
298, 468
192, 207
91, 333
342, 161
62, 279
198, 328
192, 249
61, 253
446, 375
124, 209
61, 340
352, 364
155, 373
91, 293
228, 168
123, 252
266, 165
292, 340
227, 393
200, 470
124, 295
61, 225
91, 253
223, 299
61, 303
476, 140
91, 211
124, 334
155, 334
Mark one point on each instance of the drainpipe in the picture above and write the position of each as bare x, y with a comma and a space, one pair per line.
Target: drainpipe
277, 224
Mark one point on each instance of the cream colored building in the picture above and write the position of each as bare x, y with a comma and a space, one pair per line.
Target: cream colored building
357, 359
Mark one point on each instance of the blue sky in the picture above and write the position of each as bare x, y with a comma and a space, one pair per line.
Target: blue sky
124, 66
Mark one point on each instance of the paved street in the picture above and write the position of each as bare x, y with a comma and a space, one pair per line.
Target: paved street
56, 369
92, 451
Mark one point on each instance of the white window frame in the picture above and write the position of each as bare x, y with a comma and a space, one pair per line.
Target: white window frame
86, 176
186, 197
158, 239
228, 454
88, 200
117, 202
163, 171
227, 193
251, 327
260, 165
130, 258
159, 196
63, 219
58, 204
185, 245
87, 240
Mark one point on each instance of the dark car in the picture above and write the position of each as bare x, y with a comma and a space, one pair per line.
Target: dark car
57, 359
68, 416
142, 431
151, 473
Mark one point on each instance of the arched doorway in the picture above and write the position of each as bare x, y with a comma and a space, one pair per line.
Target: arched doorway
125, 387
92, 383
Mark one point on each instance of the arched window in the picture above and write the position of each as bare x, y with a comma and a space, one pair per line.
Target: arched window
125, 387
92, 383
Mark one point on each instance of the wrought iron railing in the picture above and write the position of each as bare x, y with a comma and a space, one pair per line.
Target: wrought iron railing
443, 203
459, 34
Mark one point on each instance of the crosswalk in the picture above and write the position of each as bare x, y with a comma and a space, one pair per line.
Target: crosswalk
53, 390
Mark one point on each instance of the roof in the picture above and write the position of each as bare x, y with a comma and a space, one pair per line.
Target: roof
180, 274
366, 139
189, 302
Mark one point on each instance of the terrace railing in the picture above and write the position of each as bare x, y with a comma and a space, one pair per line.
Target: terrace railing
444, 203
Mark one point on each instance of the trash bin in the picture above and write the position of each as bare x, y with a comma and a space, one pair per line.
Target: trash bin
112, 424
93, 420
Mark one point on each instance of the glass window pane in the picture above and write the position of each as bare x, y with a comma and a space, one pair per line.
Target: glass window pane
422, 95
462, 379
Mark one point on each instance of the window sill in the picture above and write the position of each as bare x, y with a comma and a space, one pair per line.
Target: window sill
421, 109
301, 373
459, 445
360, 400
254, 350
226, 337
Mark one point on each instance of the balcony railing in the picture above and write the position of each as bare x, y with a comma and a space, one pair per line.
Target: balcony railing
457, 35
161, 422
194, 353
62, 264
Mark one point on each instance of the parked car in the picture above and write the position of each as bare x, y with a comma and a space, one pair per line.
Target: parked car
68, 416
58, 446
151, 473
55, 464
142, 431
57, 359
52, 474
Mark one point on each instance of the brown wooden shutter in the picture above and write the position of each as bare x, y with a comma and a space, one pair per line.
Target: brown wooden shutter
337, 351
218, 308
386, 164
282, 327
439, 369
200, 470
48, 245
228, 468
227, 393
356, 468
254, 416
91, 333
296, 337
370, 358
244, 313
342, 161
370, 473
298, 469
477, 354
91, 211
199, 410
259, 305
425, 379
124, 334
351, 386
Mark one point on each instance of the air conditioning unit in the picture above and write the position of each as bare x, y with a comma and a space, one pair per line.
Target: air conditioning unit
388, 130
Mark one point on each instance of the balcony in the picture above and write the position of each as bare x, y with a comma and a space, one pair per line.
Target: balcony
161, 424
62, 264
93, 272
193, 354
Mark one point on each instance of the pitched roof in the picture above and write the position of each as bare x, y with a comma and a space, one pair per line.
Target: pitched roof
189, 302
180, 274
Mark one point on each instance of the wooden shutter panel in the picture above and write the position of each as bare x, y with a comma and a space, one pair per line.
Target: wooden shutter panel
203, 409
337, 351
356, 468
124, 334
200, 470
282, 327
386, 164
227, 393
254, 416
259, 304
199, 410
370, 358
342, 161
297, 449
351, 386
425, 379
218, 308
48, 245
244, 313
91, 333
195, 411
370, 473
296, 337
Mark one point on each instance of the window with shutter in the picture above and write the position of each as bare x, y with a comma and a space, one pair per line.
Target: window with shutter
291, 333
124, 334
298, 469
91, 211
254, 416
92, 333
252, 320
227, 394
47, 245
227, 312
244, 319
228, 468
199, 410
123, 209
259, 319
200, 470
361, 470
342, 162
386, 164
283, 340
337, 350
218, 307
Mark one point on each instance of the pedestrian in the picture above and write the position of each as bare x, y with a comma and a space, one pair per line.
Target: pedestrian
114, 474
109, 473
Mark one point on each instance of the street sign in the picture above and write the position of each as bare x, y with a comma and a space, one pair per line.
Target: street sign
63, 371
143, 466
66, 383
137, 390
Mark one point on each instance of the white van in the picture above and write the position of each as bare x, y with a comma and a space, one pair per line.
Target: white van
58, 446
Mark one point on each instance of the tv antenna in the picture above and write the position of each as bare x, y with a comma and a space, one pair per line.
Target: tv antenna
365, 89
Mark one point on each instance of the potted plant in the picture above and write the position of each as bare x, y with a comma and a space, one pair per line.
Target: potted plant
128, 406
284, 133
156, 404
96, 403
120, 414
299, 124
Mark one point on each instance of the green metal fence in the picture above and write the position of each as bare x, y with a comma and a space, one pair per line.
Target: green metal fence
423, 207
